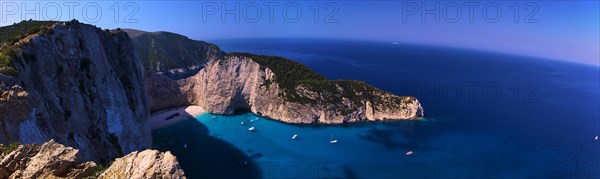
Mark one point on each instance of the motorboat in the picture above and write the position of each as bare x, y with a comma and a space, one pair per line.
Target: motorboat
332, 141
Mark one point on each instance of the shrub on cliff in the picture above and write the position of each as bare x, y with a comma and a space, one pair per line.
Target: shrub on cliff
72, 22
97, 171
10, 147
33, 30
12, 33
7, 57
10, 71
290, 74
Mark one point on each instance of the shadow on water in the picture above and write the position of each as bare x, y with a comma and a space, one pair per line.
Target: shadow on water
201, 155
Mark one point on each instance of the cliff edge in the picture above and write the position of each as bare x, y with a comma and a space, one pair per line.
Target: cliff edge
283, 90
76, 84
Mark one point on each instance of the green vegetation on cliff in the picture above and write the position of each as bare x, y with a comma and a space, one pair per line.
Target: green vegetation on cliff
7, 57
97, 171
290, 75
10, 147
164, 50
12, 33
9, 35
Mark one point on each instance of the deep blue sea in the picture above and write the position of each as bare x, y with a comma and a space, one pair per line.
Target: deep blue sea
488, 115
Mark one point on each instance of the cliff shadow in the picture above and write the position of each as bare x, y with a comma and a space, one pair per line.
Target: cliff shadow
201, 155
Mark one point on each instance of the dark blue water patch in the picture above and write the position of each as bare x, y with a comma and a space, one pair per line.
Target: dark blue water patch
201, 155
541, 126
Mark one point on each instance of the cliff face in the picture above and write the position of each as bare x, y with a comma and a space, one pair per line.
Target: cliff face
53, 160
173, 55
14, 108
241, 83
78, 85
145, 164
163, 92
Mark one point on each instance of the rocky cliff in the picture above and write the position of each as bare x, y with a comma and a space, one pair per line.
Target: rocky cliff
163, 92
173, 55
283, 90
145, 164
78, 85
53, 160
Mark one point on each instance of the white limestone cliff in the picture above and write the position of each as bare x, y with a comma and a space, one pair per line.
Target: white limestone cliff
240, 83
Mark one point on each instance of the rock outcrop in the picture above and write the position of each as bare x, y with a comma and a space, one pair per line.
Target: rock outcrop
80, 86
49, 160
145, 164
14, 107
53, 160
248, 82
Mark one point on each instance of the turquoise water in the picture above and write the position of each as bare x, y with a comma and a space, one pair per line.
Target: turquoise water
366, 148
541, 125
222, 147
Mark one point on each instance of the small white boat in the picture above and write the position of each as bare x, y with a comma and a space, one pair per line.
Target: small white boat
185, 146
409, 153
596, 138
331, 140
395, 43
295, 136
213, 117
242, 123
251, 129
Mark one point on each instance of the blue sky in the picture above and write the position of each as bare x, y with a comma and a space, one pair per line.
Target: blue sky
561, 30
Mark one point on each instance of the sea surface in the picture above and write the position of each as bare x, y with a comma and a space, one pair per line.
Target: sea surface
488, 115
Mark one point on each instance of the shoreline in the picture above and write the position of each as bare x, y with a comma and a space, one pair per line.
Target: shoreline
170, 116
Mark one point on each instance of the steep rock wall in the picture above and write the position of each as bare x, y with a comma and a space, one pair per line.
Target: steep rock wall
84, 88
240, 83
